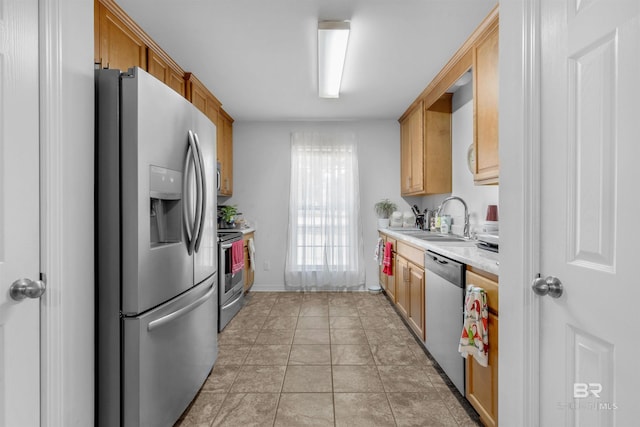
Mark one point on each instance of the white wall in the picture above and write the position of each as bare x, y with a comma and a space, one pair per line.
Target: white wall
261, 185
477, 197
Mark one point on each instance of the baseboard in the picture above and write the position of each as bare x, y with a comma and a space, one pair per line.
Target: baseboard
262, 287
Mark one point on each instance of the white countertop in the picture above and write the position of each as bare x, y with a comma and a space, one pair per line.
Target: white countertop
466, 252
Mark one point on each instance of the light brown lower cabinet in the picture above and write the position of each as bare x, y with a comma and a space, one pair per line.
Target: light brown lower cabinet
482, 382
410, 288
248, 272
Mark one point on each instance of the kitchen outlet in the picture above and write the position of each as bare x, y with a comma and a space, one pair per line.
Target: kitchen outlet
267, 266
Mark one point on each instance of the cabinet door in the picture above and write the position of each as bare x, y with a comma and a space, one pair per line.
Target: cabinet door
163, 71
202, 98
402, 287
227, 176
417, 151
412, 153
405, 156
198, 96
120, 48
437, 146
482, 383
416, 299
248, 272
485, 87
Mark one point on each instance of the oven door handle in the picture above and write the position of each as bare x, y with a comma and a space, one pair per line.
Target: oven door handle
181, 312
232, 303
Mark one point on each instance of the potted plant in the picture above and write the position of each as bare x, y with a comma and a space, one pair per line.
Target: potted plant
228, 216
384, 208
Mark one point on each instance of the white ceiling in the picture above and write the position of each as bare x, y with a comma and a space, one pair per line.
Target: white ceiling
259, 56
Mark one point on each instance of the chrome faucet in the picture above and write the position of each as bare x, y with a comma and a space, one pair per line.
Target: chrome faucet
466, 212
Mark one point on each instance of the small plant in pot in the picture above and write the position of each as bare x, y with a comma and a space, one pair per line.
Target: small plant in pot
228, 216
384, 208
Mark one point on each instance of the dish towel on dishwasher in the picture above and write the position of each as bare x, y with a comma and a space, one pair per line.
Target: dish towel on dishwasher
237, 256
475, 336
388, 248
252, 253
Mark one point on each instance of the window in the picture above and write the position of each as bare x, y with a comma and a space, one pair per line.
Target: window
325, 234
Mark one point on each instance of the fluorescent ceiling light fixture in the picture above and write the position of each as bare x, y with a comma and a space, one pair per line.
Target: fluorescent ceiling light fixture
333, 37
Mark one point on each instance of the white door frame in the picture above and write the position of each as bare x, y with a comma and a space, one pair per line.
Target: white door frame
51, 164
520, 201
66, 211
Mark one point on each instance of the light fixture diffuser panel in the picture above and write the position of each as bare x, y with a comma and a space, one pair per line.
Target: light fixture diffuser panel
333, 37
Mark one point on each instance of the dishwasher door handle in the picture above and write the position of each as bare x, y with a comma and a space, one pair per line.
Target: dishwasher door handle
438, 260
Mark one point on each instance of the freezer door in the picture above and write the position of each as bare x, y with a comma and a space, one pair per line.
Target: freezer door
168, 354
155, 125
205, 259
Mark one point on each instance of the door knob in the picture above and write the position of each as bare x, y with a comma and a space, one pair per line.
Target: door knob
551, 285
25, 288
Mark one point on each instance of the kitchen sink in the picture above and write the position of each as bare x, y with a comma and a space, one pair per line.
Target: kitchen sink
434, 237
441, 238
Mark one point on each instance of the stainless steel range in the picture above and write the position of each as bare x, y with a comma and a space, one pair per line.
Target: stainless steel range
231, 285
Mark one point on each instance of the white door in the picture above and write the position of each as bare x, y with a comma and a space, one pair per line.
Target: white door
590, 204
19, 212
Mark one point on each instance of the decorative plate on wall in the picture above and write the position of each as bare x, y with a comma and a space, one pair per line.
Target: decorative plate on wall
471, 158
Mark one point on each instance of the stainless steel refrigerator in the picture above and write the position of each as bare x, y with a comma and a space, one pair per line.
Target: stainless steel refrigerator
157, 287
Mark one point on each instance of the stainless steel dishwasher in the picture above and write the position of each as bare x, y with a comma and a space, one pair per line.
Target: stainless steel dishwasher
444, 305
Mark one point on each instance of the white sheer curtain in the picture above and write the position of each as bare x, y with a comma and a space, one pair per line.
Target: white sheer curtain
325, 249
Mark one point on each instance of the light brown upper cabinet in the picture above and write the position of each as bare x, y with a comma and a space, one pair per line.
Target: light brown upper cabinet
479, 53
202, 98
225, 153
485, 103
166, 70
119, 45
425, 148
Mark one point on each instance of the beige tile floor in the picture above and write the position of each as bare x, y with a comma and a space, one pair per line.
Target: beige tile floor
323, 359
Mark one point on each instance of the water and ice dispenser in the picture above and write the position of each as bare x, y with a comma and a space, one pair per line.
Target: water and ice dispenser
165, 194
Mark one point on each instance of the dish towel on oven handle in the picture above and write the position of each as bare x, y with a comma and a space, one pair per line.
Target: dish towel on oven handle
237, 256
475, 330
379, 255
386, 262
252, 253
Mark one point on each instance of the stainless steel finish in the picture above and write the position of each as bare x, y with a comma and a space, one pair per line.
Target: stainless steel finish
197, 221
186, 201
232, 303
202, 193
154, 127
227, 311
231, 293
444, 308
466, 212
156, 309
551, 286
25, 288
164, 367
181, 312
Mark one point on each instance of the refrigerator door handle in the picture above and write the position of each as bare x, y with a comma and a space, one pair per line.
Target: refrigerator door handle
181, 312
203, 194
192, 226
186, 198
